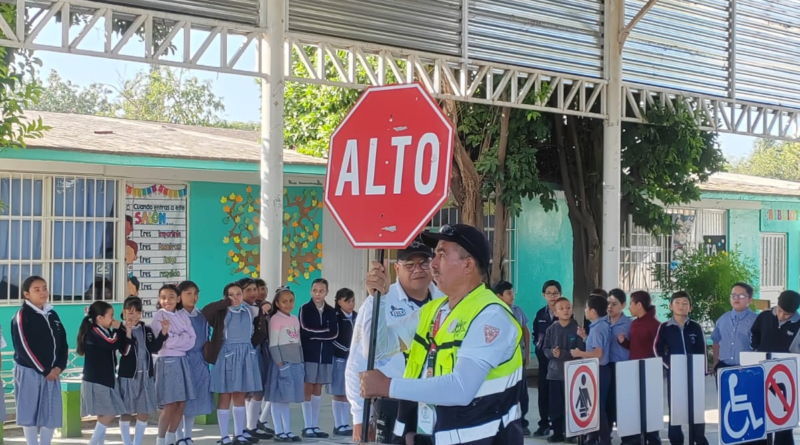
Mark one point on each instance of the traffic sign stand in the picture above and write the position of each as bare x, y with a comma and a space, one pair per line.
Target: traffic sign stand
581, 397
388, 173
643, 406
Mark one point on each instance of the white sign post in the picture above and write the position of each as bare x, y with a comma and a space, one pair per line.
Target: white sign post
640, 393
582, 395
680, 384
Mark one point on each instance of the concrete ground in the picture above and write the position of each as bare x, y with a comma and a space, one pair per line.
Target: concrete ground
208, 434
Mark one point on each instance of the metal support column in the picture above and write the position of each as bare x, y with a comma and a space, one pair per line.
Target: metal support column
612, 143
271, 224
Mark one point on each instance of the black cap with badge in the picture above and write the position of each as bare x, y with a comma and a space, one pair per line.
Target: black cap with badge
416, 248
471, 239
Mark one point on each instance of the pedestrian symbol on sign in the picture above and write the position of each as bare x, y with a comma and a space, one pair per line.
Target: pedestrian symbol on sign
584, 399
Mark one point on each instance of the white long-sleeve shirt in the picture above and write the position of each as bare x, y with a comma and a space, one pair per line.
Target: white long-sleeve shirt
397, 308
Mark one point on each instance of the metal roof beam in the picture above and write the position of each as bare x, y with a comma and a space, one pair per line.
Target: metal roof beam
156, 31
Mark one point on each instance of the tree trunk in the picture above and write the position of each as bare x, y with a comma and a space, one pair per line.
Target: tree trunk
500, 209
576, 157
465, 180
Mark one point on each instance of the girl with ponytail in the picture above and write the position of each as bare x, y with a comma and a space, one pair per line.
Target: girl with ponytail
345, 304
99, 339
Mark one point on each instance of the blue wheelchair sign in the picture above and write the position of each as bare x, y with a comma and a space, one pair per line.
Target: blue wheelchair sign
742, 408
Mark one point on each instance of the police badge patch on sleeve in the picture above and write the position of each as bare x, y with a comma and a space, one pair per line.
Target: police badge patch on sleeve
490, 333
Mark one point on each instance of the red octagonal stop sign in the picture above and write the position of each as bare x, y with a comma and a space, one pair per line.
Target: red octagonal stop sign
389, 166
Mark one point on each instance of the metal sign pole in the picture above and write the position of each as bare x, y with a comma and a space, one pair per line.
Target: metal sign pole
642, 403
376, 312
690, 381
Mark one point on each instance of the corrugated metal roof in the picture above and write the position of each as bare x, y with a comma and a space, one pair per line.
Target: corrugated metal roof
425, 25
767, 51
237, 11
555, 35
75, 132
679, 45
751, 185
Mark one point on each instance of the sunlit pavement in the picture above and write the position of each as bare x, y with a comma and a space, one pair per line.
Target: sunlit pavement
208, 434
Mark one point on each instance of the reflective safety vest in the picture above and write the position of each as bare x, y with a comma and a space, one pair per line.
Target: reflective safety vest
497, 402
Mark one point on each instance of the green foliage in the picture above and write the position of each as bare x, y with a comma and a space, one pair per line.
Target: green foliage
164, 95
665, 161
312, 112
771, 159
520, 178
63, 96
708, 279
159, 94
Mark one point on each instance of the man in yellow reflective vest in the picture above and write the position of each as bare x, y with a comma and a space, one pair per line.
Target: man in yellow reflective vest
464, 363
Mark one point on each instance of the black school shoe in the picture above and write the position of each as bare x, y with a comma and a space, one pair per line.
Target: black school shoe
249, 437
263, 427
260, 434
541, 432
309, 432
556, 438
241, 440
282, 437
344, 430
293, 438
320, 433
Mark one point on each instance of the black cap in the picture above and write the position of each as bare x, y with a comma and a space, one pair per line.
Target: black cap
466, 236
417, 247
789, 301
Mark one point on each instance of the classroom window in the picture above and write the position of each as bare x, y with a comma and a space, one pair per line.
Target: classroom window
641, 251
62, 228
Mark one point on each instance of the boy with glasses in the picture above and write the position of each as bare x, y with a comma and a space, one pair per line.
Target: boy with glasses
731, 334
505, 291
545, 317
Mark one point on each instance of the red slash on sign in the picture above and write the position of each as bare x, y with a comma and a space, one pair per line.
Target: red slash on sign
779, 390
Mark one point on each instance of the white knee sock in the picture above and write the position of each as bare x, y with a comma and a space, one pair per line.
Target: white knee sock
188, 424
170, 438
138, 436
316, 403
253, 408
223, 419
345, 413
336, 407
125, 432
308, 417
277, 420
45, 435
31, 435
266, 413
286, 418
238, 420
99, 434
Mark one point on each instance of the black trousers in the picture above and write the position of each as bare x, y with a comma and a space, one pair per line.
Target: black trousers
386, 413
524, 399
557, 409
543, 393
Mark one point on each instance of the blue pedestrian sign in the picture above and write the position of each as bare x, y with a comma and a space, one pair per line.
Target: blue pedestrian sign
741, 405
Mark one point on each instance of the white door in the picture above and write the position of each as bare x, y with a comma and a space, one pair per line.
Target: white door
773, 265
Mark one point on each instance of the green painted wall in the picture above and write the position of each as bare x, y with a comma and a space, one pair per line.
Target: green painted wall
544, 252
224, 242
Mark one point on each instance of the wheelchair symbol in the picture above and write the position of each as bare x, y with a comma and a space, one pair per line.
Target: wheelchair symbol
739, 403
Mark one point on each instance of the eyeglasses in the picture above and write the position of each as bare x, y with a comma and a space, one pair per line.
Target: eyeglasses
411, 265
451, 231
552, 294
739, 296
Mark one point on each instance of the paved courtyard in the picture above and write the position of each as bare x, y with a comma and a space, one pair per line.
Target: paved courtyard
208, 434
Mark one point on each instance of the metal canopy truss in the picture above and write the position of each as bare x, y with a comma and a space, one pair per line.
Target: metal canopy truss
134, 35
184, 41
714, 113
445, 77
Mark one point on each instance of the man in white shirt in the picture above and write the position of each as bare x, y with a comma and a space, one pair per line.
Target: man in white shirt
414, 288
471, 372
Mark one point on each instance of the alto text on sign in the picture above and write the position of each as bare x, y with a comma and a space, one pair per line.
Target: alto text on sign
389, 166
